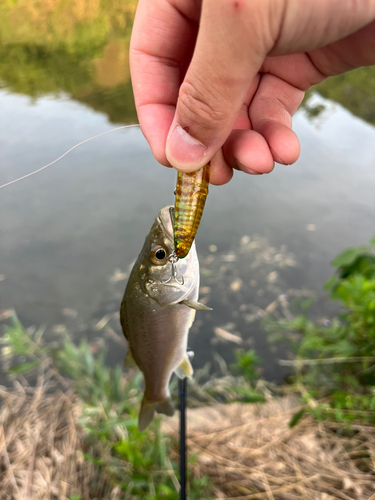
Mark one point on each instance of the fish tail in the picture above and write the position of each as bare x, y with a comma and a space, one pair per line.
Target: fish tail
148, 409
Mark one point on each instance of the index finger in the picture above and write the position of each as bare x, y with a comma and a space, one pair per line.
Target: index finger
163, 33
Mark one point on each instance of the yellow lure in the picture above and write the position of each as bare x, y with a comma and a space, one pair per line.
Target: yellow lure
191, 193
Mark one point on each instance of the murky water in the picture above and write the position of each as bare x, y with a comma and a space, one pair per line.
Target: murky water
65, 231
69, 234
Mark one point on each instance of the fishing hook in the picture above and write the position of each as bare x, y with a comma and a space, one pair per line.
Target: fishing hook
173, 279
173, 259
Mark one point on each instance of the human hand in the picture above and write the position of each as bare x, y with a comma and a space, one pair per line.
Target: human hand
220, 80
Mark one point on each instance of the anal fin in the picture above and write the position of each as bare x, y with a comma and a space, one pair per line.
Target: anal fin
129, 360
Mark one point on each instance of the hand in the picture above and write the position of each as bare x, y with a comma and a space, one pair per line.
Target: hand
220, 80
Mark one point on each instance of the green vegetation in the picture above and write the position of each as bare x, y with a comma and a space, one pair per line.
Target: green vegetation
335, 363
137, 463
354, 90
245, 389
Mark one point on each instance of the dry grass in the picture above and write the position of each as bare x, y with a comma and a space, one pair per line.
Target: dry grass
248, 451
41, 446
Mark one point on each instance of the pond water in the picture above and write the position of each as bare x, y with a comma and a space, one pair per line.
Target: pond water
69, 234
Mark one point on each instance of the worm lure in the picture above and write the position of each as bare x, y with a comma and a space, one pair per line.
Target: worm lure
191, 193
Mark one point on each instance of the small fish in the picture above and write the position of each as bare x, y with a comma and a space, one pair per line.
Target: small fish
191, 193
156, 314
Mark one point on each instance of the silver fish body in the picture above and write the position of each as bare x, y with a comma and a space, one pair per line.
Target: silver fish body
153, 318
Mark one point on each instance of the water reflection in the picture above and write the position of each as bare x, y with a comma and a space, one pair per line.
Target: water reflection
354, 90
112, 69
80, 47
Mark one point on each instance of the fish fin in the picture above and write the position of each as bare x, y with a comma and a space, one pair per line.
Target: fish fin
184, 369
196, 305
166, 407
148, 410
129, 360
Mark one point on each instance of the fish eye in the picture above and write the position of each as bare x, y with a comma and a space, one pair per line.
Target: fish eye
159, 255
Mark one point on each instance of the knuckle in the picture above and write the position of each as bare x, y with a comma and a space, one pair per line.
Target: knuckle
201, 108
273, 109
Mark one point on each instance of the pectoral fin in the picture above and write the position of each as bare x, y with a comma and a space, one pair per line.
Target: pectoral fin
196, 305
129, 360
184, 369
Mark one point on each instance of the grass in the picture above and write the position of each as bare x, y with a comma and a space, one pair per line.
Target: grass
335, 359
251, 452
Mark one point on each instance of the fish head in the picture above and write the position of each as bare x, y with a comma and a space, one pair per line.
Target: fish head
156, 269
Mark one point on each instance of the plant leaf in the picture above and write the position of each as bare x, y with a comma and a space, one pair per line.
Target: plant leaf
296, 418
24, 367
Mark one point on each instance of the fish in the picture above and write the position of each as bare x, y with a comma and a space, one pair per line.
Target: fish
157, 311
190, 197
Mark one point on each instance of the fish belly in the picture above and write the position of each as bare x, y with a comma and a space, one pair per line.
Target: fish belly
158, 342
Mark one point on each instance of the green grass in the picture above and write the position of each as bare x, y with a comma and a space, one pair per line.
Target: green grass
335, 362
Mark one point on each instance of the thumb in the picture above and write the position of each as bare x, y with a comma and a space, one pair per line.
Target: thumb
232, 42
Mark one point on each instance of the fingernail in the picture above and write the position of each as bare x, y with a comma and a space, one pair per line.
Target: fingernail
247, 170
182, 150
252, 172
277, 158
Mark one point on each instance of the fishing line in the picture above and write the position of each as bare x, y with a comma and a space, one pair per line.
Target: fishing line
62, 156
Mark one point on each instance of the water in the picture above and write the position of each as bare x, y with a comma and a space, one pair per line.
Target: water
65, 231
69, 234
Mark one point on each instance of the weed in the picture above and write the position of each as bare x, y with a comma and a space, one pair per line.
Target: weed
335, 360
246, 366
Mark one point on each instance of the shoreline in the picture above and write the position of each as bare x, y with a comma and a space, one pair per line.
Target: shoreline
247, 451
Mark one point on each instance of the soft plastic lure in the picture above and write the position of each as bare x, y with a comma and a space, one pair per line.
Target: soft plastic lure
191, 193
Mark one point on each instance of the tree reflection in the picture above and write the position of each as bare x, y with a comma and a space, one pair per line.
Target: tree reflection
81, 47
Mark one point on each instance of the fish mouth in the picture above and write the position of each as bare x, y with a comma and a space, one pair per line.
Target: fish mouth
173, 285
166, 220
173, 280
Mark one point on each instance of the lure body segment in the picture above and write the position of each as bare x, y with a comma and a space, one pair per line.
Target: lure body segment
191, 194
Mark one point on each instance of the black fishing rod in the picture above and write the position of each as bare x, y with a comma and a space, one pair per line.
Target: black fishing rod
182, 384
